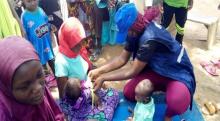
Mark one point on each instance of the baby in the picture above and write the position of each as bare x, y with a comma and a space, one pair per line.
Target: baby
144, 109
78, 98
72, 89
78, 91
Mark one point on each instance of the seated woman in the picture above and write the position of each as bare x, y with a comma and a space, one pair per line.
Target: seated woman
158, 57
80, 105
72, 60
23, 95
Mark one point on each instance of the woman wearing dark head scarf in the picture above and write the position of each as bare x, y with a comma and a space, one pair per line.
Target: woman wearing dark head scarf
23, 95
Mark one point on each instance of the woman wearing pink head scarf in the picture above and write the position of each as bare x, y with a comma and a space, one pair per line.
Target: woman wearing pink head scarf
23, 95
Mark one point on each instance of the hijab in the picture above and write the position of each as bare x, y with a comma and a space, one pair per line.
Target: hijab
14, 51
143, 20
70, 34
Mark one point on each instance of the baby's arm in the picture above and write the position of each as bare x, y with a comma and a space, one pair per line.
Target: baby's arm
130, 118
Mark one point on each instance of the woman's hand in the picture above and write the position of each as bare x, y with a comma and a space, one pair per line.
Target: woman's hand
97, 101
53, 28
97, 83
93, 74
111, 3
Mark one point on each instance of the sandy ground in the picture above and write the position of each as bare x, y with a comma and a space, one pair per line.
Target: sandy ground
208, 87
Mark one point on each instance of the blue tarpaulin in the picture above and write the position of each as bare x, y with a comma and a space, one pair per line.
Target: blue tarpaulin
122, 113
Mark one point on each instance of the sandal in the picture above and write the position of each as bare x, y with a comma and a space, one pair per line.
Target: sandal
95, 55
210, 108
93, 58
216, 63
210, 68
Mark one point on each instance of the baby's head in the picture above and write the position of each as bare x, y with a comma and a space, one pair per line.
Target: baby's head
73, 88
143, 91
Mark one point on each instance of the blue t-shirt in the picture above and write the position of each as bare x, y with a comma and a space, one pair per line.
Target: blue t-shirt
38, 33
71, 67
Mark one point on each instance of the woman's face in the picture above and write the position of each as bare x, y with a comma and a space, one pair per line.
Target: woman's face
77, 48
29, 83
31, 5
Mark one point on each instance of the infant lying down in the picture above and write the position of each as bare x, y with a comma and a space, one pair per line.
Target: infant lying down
77, 102
145, 107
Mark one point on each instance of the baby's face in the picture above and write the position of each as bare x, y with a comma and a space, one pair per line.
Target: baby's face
140, 96
143, 91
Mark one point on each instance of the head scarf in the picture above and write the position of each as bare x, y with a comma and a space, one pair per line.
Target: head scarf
124, 19
70, 34
143, 20
14, 51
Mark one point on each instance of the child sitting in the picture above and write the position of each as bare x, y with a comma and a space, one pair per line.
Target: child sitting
72, 60
144, 109
77, 102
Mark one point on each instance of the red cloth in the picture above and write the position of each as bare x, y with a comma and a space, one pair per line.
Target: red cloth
70, 34
14, 51
143, 20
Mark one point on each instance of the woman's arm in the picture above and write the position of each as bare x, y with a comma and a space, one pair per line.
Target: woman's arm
113, 65
61, 82
117, 62
122, 74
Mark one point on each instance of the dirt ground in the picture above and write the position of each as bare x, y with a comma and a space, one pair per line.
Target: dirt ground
208, 87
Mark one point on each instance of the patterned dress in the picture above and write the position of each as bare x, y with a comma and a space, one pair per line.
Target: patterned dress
81, 109
82, 9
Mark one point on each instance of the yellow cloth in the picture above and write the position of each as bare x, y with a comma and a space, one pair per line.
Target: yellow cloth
8, 24
177, 3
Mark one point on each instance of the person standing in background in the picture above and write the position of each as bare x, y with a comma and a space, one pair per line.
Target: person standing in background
52, 10
9, 24
179, 8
